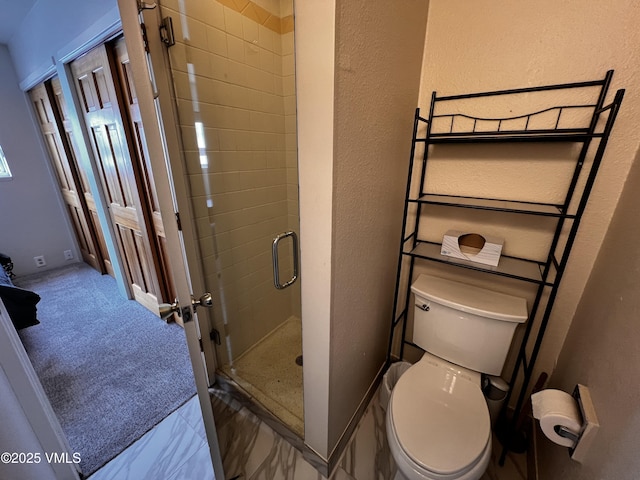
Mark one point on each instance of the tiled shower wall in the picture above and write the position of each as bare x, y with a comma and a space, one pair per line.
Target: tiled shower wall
233, 70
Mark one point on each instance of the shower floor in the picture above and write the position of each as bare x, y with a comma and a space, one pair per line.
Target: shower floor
269, 373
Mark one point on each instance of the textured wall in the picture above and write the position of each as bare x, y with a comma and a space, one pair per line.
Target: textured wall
491, 45
601, 352
378, 58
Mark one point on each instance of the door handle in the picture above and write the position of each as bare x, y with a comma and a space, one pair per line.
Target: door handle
274, 255
165, 310
205, 300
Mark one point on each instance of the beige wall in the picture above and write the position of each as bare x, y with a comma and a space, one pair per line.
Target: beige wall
378, 55
355, 105
315, 51
233, 74
601, 351
499, 44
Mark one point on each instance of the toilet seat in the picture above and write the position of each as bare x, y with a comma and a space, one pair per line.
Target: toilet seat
440, 421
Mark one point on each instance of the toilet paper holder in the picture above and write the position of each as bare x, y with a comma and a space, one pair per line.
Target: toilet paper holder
584, 438
576, 419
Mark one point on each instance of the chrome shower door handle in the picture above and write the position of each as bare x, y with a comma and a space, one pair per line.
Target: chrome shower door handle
274, 254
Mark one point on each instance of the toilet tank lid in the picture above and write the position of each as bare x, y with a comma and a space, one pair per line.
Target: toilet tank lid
471, 299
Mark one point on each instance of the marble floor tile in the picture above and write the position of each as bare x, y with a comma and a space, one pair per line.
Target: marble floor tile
513, 468
197, 467
177, 449
252, 450
158, 453
192, 414
367, 457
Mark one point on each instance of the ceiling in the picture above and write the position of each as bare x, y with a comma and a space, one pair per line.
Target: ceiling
13, 12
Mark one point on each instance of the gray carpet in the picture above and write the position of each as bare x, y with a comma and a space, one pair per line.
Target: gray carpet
111, 369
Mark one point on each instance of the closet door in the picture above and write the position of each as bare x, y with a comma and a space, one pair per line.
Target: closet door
97, 93
60, 110
67, 174
129, 101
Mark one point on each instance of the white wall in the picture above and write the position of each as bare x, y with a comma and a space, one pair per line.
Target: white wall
499, 44
17, 436
29, 425
31, 211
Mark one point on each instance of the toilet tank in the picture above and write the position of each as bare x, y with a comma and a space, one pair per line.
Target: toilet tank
464, 324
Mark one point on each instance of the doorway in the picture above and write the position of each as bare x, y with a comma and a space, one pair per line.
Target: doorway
238, 131
113, 333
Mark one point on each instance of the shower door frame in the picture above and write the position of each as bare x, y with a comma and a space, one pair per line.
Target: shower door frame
162, 66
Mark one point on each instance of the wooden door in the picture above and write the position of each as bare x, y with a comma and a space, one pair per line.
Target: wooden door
67, 174
60, 110
94, 81
129, 101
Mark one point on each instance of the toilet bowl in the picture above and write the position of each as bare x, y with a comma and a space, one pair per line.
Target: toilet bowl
438, 424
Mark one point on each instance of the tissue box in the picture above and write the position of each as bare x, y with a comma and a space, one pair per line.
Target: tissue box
474, 247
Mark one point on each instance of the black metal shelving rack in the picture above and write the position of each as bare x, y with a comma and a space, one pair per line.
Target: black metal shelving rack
545, 276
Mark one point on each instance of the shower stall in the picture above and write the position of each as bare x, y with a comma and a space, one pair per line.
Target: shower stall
232, 67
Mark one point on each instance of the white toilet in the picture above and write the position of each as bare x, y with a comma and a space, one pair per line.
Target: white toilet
438, 424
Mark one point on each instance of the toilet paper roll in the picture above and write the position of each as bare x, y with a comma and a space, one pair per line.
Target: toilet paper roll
554, 408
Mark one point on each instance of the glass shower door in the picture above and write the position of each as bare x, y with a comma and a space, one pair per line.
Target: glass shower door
233, 72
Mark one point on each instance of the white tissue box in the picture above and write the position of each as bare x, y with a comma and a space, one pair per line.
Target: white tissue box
474, 247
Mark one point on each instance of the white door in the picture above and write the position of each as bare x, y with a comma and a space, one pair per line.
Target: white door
157, 114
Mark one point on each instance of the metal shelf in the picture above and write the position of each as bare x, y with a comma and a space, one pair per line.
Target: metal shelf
526, 208
513, 136
512, 267
592, 133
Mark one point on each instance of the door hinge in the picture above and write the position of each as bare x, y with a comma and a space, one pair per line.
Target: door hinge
214, 335
145, 6
145, 39
178, 221
166, 32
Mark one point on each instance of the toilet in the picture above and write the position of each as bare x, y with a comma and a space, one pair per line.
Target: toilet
438, 424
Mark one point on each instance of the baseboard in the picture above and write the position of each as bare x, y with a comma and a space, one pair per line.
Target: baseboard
336, 454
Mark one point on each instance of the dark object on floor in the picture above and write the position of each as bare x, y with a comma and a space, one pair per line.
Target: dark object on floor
7, 264
299, 360
20, 303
